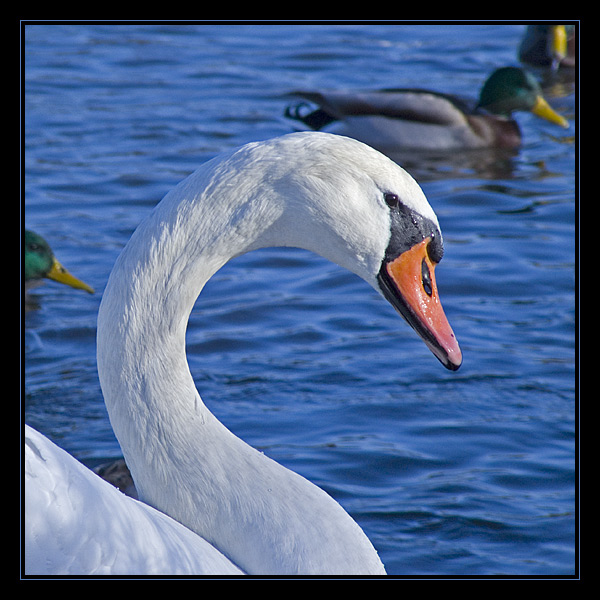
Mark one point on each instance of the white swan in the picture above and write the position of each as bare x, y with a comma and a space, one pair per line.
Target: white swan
232, 509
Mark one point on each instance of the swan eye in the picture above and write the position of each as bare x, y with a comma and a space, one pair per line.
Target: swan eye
426, 278
391, 200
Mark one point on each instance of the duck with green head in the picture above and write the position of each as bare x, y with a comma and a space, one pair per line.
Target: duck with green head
41, 263
421, 119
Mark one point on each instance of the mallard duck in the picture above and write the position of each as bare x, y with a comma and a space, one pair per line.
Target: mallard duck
548, 45
41, 263
427, 120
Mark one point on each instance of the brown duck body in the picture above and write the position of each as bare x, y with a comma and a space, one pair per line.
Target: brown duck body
408, 118
419, 119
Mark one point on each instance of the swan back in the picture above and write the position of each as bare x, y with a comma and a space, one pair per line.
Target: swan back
120, 536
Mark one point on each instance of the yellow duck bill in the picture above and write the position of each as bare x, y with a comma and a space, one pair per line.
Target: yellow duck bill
60, 274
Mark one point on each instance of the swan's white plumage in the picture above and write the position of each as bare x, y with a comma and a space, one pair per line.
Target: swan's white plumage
78, 524
313, 190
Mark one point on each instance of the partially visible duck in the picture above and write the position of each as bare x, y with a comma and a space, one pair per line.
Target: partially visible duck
548, 46
427, 120
41, 263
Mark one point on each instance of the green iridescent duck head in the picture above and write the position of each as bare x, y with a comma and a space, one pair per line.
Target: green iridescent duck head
510, 89
40, 263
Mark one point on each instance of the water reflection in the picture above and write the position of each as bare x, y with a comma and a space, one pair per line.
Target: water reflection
487, 163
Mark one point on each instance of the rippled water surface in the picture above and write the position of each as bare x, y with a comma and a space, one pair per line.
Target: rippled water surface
465, 473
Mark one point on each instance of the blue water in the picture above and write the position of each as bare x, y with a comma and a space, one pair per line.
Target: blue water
466, 473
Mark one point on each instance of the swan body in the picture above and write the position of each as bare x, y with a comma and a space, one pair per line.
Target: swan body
325, 193
64, 487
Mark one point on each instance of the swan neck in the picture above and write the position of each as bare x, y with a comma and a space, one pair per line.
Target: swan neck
183, 460
143, 370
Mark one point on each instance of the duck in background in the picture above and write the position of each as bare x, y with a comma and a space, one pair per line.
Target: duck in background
426, 120
548, 46
41, 263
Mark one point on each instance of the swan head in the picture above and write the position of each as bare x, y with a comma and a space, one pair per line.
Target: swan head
356, 207
322, 192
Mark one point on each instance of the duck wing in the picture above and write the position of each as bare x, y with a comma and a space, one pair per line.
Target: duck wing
408, 104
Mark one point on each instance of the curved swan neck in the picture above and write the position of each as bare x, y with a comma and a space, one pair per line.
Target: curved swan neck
183, 461
200, 225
